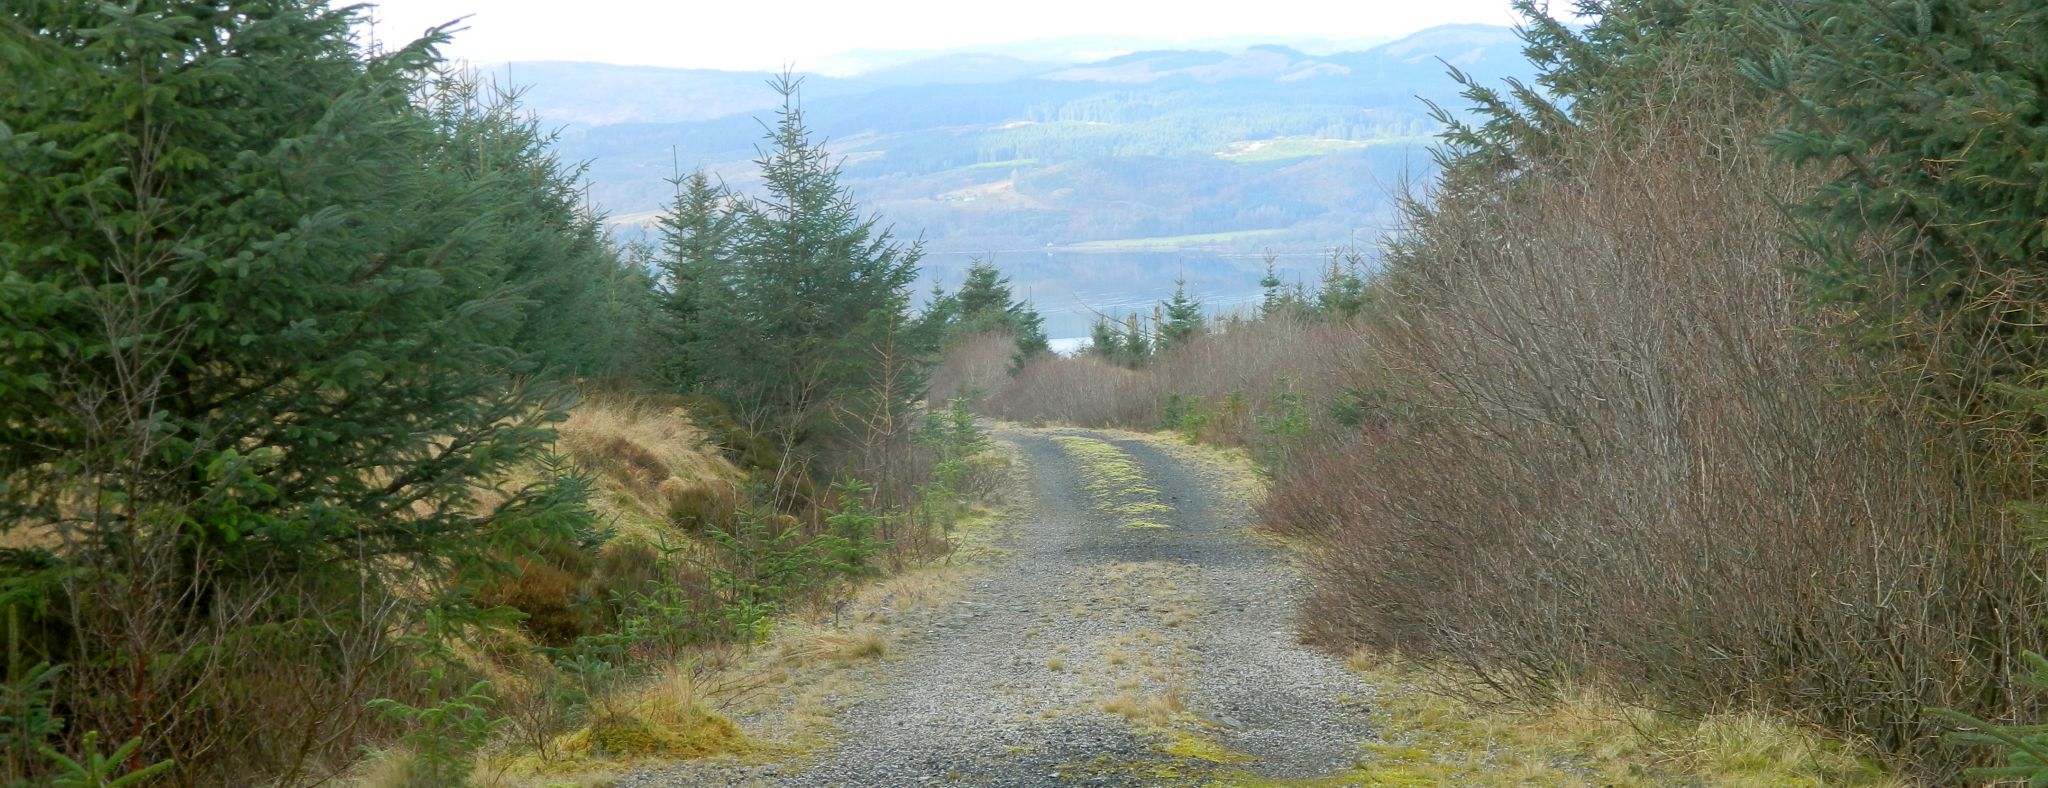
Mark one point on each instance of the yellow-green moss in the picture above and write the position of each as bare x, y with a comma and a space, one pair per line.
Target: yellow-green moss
1118, 485
702, 733
1190, 745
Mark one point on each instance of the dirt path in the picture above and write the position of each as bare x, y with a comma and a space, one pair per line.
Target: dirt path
1135, 634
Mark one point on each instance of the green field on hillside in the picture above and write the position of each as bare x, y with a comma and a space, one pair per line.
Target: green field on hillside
1172, 241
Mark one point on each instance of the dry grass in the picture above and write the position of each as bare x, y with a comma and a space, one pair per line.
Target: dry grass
651, 459
666, 719
816, 660
1426, 735
805, 645
1157, 709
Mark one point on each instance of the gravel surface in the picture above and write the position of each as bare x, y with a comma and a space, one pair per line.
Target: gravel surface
1098, 654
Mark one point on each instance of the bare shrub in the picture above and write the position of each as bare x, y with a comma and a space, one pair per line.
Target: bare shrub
1606, 448
1233, 377
972, 367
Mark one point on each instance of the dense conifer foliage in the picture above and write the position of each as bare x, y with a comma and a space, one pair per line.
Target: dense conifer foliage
291, 332
279, 319
985, 304
790, 301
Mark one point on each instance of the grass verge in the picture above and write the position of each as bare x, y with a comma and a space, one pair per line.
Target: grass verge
1430, 730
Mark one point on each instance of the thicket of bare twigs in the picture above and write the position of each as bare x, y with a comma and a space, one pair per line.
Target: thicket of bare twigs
1263, 383
1612, 448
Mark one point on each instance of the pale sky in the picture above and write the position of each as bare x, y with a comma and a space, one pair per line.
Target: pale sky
807, 33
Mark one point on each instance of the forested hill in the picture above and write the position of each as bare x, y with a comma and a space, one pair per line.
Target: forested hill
1260, 147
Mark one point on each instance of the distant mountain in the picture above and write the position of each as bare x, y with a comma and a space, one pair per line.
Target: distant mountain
1256, 147
959, 69
597, 94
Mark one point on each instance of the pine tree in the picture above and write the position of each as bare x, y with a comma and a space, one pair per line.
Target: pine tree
1930, 116
1106, 341
581, 308
1342, 295
985, 298
794, 328
1183, 318
1275, 296
265, 313
1031, 339
695, 258
986, 303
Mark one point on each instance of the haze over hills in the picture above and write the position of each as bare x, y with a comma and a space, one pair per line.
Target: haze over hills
1260, 147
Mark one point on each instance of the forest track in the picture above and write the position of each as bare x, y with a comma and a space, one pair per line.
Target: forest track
1134, 632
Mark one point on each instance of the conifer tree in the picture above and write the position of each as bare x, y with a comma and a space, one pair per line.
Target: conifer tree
1031, 339
1273, 297
1183, 318
804, 317
1342, 295
1137, 346
986, 303
583, 309
1106, 341
1930, 115
263, 314
695, 259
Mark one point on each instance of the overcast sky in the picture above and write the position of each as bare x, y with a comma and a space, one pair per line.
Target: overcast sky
808, 33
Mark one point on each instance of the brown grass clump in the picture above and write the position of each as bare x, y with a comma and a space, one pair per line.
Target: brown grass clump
695, 507
666, 718
1154, 708
805, 645
1147, 708
656, 466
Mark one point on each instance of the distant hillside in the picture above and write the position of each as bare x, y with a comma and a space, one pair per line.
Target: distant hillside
1253, 148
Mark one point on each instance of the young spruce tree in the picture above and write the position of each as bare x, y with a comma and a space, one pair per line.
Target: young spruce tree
1183, 320
800, 316
985, 303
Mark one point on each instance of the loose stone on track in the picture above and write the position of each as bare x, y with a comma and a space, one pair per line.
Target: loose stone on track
1097, 652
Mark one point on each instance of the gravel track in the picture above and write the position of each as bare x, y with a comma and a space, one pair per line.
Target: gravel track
1099, 654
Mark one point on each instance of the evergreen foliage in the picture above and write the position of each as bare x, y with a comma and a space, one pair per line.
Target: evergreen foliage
1128, 343
1269, 286
277, 317
1183, 319
1137, 343
695, 253
582, 304
1105, 340
1342, 293
985, 303
2025, 746
789, 305
1934, 116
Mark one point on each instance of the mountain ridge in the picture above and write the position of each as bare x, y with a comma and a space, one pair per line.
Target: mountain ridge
1266, 145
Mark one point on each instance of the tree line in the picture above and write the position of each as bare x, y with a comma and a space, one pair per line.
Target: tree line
288, 325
